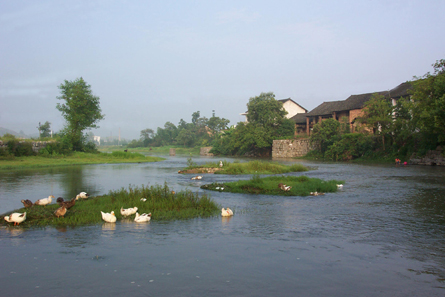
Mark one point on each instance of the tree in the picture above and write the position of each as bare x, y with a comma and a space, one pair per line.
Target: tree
216, 124
265, 110
44, 130
147, 136
377, 115
325, 134
429, 103
80, 109
266, 122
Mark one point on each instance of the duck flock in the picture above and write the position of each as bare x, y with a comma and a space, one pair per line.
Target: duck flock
108, 217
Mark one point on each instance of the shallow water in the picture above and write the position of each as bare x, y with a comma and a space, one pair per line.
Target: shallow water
382, 235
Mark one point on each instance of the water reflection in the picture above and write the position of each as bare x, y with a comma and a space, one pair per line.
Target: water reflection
109, 227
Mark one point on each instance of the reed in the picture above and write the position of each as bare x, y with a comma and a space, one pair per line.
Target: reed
301, 185
161, 202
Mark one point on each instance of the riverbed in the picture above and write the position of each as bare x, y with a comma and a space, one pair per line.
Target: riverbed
383, 234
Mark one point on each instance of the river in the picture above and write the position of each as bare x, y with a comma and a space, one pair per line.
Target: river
383, 234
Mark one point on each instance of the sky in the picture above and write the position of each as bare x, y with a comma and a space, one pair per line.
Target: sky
152, 62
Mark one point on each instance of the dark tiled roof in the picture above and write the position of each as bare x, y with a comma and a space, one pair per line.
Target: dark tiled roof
358, 101
326, 108
284, 100
401, 90
299, 118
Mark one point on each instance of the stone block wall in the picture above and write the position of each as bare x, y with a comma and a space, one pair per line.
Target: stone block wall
204, 151
290, 148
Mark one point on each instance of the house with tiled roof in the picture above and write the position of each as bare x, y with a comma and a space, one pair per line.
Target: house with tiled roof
349, 109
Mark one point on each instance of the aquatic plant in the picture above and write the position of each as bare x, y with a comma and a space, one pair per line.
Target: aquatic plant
300, 185
160, 201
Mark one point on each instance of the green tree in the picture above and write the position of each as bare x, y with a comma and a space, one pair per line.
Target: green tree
266, 122
325, 134
147, 136
217, 124
429, 104
377, 115
80, 109
265, 110
44, 130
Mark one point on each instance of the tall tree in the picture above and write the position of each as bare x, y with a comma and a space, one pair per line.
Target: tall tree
45, 129
429, 103
377, 115
80, 109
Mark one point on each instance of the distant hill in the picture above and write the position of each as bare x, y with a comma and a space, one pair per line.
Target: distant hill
4, 131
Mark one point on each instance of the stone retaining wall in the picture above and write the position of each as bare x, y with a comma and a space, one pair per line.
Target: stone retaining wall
204, 151
290, 148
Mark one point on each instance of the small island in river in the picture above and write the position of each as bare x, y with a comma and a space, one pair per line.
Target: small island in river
279, 185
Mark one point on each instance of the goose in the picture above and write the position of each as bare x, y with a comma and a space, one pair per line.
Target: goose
83, 195
142, 218
44, 201
226, 212
220, 164
316, 194
128, 211
27, 203
16, 218
60, 212
109, 217
66, 204
197, 177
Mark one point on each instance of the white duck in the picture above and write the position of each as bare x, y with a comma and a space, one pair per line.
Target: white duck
109, 217
44, 201
16, 218
128, 211
197, 177
226, 212
220, 164
142, 218
340, 186
83, 195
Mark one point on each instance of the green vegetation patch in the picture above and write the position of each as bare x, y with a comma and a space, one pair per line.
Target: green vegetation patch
300, 186
252, 167
161, 202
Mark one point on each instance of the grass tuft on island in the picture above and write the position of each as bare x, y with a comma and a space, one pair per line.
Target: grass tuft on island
251, 167
301, 186
77, 158
161, 202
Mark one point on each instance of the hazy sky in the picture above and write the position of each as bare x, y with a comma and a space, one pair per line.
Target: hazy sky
156, 61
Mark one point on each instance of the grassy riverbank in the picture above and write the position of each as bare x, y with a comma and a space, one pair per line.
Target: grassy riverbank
77, 158
301, 186
160, 202
251, 167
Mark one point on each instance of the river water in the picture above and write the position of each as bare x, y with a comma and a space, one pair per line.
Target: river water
382, 235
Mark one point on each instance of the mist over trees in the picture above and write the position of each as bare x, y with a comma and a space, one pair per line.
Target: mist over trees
200, 132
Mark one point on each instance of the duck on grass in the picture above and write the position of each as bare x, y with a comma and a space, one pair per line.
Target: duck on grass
277, 185
159, 201
252, 167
